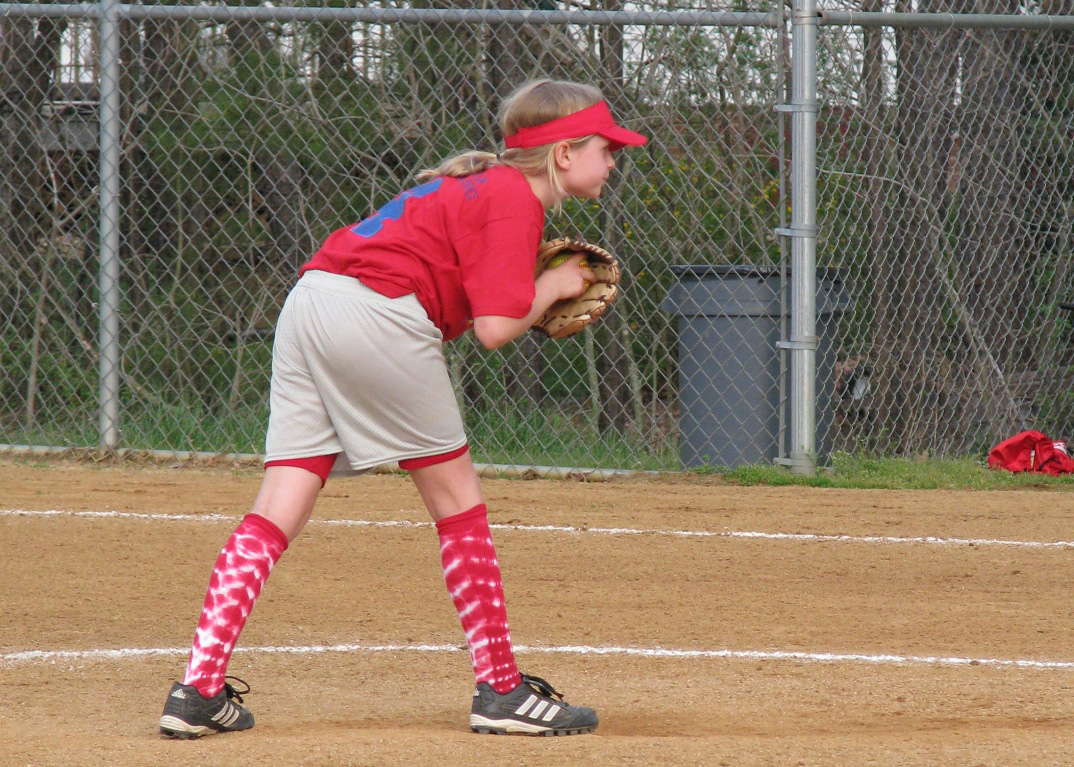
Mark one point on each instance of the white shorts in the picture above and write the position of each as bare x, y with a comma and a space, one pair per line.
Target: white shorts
356, 372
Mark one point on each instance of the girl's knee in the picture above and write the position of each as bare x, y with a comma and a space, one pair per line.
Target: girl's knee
448, 488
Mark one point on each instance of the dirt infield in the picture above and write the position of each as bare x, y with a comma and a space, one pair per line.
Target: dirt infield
708, 624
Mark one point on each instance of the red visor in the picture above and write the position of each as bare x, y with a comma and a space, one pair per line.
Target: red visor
596, 119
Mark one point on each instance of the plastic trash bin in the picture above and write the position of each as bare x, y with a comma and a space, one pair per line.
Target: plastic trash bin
729, 327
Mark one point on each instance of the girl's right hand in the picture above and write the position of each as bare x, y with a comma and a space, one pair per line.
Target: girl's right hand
570, 279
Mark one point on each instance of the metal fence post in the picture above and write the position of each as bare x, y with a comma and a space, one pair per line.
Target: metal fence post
803, 233
108, 307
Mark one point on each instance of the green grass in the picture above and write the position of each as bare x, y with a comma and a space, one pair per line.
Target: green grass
550, 439
539, 438
182, 427
857, 472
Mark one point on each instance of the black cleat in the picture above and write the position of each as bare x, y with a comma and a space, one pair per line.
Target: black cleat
189, 715
532, 708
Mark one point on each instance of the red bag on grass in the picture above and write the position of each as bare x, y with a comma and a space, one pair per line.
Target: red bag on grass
1031, 451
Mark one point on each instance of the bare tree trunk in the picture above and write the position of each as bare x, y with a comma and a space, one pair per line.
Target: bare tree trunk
335, 48
991, 248
522, 372
910, 345
235, 389
247, 36
506, 52
592, 379
881, 196
614, 363
279, 189
1052, 198
40, 322
29, 59
166, 101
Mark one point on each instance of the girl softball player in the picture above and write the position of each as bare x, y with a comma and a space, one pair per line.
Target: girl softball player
359, 380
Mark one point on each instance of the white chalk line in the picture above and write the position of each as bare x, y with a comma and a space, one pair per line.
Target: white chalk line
933, 540
753, 655
53, 656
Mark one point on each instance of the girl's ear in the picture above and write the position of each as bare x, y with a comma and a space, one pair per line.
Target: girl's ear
561, 154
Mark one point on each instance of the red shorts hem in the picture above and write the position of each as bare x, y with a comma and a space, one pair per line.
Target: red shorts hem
320, 465
409, 464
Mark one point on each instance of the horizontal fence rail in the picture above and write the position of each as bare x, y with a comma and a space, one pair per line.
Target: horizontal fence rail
869, 19
397, 15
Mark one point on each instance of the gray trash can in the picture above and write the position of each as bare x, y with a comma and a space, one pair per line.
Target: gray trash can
729, 325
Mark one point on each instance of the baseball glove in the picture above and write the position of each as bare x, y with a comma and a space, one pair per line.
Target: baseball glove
567, 317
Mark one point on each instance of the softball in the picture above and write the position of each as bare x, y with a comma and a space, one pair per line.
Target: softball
557, 260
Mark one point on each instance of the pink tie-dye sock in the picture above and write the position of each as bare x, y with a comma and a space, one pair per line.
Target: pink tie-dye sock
241, 570
472, 575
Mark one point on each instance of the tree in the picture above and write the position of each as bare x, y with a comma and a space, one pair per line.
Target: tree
30, 206
909, 344
29, 60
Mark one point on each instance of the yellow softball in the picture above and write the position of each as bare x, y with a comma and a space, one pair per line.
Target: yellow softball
557, 260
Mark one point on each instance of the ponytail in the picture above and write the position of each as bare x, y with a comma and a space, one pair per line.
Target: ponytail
460, 165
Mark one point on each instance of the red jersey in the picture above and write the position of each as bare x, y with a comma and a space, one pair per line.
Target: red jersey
466, 247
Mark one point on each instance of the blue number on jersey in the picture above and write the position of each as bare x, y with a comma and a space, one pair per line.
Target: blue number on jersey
393, 211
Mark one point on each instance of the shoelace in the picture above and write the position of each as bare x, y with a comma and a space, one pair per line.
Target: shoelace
232, 692
541, 686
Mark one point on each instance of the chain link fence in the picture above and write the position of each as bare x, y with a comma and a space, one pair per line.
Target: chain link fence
248, 133
945, 195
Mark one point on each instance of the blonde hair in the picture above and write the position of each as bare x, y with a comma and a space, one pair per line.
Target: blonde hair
533, 103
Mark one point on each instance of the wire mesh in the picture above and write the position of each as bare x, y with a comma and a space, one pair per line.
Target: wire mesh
248, 133
245, 141
945, 197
